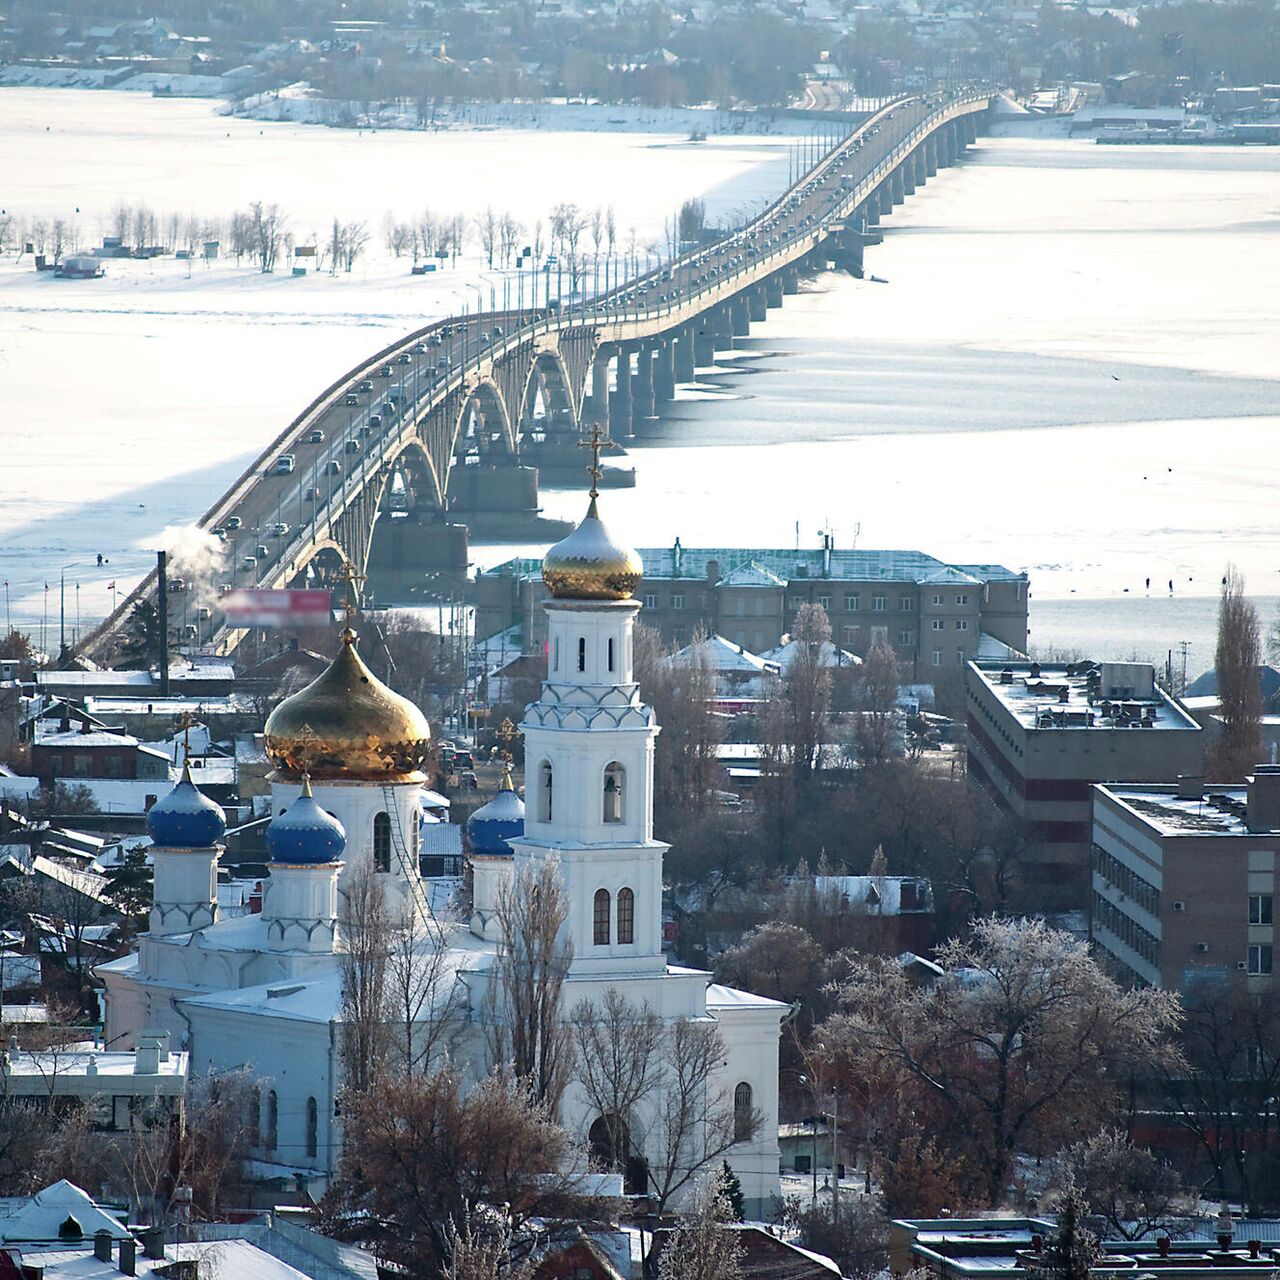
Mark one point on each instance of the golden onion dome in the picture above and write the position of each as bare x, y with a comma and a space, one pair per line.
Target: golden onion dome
347, 724
590, 564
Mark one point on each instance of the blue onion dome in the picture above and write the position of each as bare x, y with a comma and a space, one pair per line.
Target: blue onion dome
186, 818
493, 824
305, 834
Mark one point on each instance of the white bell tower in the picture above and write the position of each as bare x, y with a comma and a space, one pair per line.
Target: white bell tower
588, 751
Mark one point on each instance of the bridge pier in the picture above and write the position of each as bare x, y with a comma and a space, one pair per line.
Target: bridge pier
686, 354
897, 188
642, 406
907, 177
790, 281
950, 150
597, 407
869, 210
931, 155
970, 122
664, 370
498, 500
757, 304
620, 400
739, 317
922, 166
404, 551
773, 290
846, 252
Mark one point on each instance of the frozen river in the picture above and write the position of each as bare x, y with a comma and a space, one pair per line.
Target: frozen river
1066, 361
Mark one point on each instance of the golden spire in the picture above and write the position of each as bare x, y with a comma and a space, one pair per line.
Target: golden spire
595, 441
351, 601
508, 733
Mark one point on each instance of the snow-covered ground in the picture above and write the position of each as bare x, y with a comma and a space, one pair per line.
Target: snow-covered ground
131, 402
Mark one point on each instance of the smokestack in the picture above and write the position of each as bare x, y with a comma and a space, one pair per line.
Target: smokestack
162, 618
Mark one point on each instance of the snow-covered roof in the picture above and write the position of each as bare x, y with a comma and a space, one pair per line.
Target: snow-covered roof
721, 997
829, 656
879, 895
751, 574
722, 656
37, 1218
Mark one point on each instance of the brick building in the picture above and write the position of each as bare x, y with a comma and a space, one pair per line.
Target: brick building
1040, 735
1184, 882
933, 614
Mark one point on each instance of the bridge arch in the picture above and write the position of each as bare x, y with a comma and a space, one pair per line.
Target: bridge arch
483, 425
548, 401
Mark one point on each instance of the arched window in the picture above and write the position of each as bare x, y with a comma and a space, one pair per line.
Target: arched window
273, 1121
415, 835
600, 921
544, 792
614, 775
610, 653
313, 1122
626, 916
743, 1113
582, 653
381, 842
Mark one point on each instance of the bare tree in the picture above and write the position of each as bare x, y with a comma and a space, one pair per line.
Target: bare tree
267, 231
807, 686
423, 993
696, 1122
398, 236
509, 232
597, 229
619, 1064
425, 1160
525, 1029
365, 928
487, 225
1024, 1048
1238, 746
704, 1246
877, 700
1129, 1193
610, 228
693, 217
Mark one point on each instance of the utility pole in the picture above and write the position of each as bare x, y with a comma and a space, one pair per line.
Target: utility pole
835, 1154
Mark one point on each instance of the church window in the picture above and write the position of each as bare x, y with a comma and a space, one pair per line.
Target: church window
613, 780
273, 1120
544, 792
415, 834
600, 920
743, 1112
611, 653
582, 653
381, 842
313, 1122
626, 917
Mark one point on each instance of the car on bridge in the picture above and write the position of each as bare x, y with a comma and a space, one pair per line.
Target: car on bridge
249, 563
352, 446
315, 437
233, 522
177, 584
386, 371
404, 358
277, 529
365, 385
333, 467
375, 420
351, 398
284, 464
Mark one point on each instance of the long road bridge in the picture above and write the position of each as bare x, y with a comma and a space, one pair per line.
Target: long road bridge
442, 424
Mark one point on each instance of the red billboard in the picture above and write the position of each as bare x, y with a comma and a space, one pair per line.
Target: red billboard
258, 607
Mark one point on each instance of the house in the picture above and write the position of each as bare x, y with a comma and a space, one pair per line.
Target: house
72, 755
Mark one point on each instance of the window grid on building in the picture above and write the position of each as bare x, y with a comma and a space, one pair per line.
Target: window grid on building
1260, 959
1127, 929
600, 919
1126, 880
1261, 908
626, 917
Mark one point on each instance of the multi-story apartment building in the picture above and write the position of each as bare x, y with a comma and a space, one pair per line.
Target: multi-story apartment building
1040, 735
933, 614
1184, 881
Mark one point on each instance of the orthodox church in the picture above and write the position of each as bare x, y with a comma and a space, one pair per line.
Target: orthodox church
263, 992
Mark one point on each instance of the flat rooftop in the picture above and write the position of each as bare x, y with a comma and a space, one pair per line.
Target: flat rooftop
853, 566
1071, 696
1220, 811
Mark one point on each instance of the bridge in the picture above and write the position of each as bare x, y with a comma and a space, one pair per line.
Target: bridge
444, 425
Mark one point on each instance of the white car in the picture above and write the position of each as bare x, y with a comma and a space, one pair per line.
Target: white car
278, 530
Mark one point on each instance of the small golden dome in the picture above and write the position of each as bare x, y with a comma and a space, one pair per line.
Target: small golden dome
347, 724
590, 564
